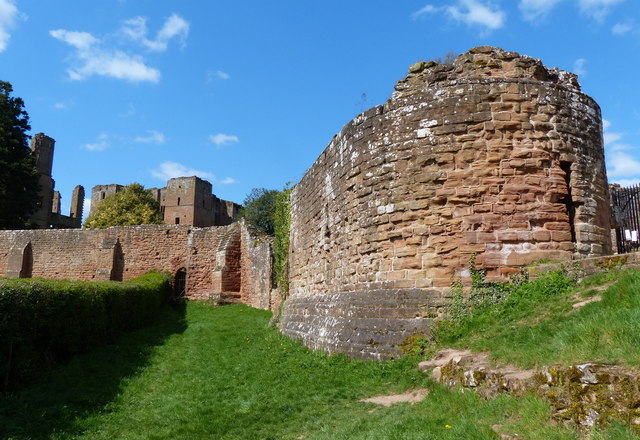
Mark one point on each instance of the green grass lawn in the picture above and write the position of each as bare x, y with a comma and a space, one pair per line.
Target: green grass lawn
222, 373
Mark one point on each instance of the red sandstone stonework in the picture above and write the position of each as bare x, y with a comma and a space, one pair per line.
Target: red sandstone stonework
211, 257
493, 155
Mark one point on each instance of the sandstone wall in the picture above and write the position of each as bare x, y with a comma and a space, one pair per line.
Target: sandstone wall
494, 155
123, 253
257, 270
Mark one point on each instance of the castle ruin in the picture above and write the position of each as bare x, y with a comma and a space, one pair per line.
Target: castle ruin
48, 213
494, 155
185, 200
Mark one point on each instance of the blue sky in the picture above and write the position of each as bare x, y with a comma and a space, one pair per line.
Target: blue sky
248, 93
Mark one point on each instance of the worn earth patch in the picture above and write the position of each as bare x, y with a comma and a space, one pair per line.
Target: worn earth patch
411, 397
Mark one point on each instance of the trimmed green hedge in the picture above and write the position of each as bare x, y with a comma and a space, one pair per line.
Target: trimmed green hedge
43, 322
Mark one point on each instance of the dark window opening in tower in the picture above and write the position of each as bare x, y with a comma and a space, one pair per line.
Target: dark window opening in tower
568, 199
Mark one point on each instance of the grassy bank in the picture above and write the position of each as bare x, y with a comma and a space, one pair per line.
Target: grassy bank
222, 373
538, 325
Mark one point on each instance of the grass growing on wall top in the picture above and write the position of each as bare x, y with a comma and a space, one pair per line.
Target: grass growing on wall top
224, 374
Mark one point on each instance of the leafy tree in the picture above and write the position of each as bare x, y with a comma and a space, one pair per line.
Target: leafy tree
19, 185
259, 207
132, 205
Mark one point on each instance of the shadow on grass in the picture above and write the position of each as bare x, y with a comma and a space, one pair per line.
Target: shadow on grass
84, 385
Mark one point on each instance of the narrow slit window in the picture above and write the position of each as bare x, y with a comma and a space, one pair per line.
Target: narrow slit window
568, 199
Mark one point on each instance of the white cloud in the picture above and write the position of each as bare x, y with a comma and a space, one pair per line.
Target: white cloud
535, 9
174, 27
79, 40
8, 18
227, 181
611, 138
61, 105
213, 75
428, 9
91, 60
622, 165
154, 137
598, 9
221, 139
626, 182
470, 12
222, 75
578, 67
621, 28
473, 12
168, 170
102, 143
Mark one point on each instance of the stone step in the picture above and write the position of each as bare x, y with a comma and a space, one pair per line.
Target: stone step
230, 298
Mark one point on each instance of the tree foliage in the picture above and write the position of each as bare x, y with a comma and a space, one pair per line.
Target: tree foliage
18, 175
258, 210
132, 205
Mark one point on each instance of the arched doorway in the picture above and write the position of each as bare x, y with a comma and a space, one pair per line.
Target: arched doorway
180, 284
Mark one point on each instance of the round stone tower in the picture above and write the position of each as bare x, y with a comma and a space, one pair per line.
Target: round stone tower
494, 155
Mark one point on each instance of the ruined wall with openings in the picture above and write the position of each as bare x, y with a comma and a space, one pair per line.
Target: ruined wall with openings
118, 253
184, 201
494, 155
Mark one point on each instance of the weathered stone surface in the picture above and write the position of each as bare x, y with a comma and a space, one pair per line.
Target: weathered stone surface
211, 257
363, 324
494, 154
48, 214
256, 261
184, 201
585, 395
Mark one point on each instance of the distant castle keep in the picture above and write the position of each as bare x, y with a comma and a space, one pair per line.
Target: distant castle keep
184, 201
48, 213
493, 155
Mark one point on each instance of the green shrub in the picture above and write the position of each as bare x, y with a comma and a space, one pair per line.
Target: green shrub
281, 226
43, 322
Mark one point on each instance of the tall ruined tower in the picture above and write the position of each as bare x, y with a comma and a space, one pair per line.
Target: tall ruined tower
77, 203
42, 147
493, 155
188, 200
48, 213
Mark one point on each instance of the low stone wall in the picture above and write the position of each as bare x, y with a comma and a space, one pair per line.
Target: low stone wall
217, 259
588, 266
585, 395
372, 324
